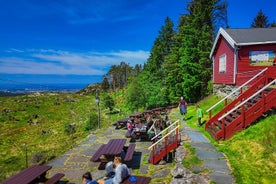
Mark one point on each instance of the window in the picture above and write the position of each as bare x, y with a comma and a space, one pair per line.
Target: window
222, 63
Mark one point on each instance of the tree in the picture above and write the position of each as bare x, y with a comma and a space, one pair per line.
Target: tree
108, 102
197, 33
105, 84
260, 21
135, 96
273, 24
153, 74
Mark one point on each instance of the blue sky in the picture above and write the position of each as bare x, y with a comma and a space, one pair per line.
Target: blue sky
86, 37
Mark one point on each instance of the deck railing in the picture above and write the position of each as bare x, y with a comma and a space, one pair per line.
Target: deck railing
234, 91
160, 133
252, 96
173, 130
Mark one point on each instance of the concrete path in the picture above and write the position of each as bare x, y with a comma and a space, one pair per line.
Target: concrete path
76, 161
212, 159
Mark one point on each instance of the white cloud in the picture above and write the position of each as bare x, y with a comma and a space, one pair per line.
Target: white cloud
48, 61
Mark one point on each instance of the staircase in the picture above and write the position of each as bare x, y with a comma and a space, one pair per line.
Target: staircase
170, 141
251, 104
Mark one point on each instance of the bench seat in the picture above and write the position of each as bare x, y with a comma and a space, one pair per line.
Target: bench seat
129, 152
139, 180
54, 179
97, 154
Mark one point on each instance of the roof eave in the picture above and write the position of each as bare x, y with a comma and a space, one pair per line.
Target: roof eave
227, 38
256, 43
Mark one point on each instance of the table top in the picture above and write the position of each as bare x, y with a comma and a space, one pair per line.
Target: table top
114, 147
28, 175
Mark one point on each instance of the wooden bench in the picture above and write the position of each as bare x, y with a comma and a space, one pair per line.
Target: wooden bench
139, 180
32, 174
128, 134
96, 156
129, 152
54, 179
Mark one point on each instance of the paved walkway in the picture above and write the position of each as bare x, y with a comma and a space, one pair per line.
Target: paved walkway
77, 160
212, 159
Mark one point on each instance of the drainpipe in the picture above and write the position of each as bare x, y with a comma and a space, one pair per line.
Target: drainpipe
235, 63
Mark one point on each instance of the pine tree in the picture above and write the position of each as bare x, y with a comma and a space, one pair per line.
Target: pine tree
197, 34
260, 21
154, 69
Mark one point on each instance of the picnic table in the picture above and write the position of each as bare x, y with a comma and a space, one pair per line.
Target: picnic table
114, 147
122, 123
140, 133
139, 180
32, 174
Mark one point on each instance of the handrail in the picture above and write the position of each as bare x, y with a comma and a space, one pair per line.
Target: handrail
164, 137
237, 89
164, 130
255, 94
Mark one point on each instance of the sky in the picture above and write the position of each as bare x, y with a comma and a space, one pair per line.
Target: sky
85, 37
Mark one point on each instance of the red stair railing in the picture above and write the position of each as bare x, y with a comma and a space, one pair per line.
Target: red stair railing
167, 143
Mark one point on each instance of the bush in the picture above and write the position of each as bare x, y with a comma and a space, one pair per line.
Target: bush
69, 128
92, 122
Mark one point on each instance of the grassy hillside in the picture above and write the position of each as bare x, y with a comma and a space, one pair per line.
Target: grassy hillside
44, 126
251, 152
40, 124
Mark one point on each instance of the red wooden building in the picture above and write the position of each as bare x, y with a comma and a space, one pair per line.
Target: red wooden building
244, 61
238, 54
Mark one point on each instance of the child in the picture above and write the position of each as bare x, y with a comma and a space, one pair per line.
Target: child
87, 179
199, 113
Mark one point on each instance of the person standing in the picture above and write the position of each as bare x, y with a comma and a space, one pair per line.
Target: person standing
182, 106
199, 113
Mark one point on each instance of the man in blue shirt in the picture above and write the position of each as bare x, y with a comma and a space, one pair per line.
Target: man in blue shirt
121, 173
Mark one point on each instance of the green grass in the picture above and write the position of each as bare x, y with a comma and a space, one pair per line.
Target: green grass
38, 124
251, 152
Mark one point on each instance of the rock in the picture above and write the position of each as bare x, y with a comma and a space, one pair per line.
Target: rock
180, 154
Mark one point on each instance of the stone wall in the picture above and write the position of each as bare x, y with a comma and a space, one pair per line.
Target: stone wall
223, 90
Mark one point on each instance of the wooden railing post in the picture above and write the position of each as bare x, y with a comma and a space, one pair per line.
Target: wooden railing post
264, 101
153, 154
243, 116
223, 127
225, 102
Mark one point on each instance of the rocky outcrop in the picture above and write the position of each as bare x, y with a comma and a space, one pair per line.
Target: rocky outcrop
182, 175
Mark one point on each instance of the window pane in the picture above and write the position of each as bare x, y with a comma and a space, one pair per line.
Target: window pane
222, 63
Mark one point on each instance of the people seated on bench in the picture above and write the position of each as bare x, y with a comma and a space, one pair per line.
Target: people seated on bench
109, 168
152, 131
87, 179
130, 126
121, 173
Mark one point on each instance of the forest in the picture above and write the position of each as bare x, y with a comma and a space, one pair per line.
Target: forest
179, 63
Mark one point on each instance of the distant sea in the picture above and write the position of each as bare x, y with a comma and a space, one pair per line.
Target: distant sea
30, 88
43, 83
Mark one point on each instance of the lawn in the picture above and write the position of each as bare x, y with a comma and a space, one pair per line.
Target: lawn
251, 152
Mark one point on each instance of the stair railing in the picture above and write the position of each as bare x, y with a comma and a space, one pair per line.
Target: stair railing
233, 92
241, 104
165, 130
165, 137
175, 129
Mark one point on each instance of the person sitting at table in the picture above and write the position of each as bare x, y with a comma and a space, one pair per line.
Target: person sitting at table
152, 130
109, 168
149, 122
130, 127
87, 179
121, 173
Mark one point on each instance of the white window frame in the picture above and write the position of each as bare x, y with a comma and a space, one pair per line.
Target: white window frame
222, 63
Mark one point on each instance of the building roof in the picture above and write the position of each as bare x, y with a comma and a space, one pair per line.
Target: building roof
244, 37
